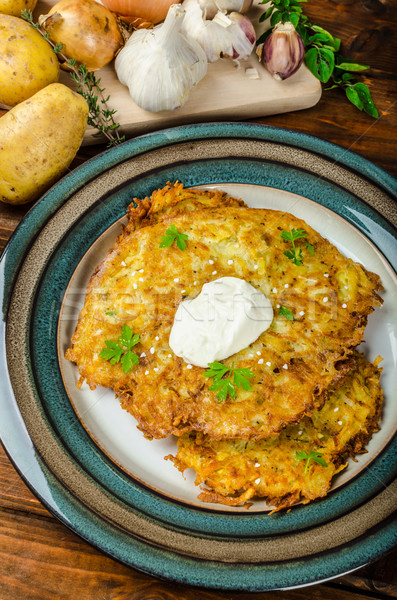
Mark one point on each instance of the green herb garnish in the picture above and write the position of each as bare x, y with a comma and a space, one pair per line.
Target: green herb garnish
120, 350
111, 313
99, 116
171, 235
295, 254
322, 55
314, 456
285, 312
225, 385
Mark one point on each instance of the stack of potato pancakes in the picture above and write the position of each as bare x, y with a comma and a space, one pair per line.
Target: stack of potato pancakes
313, 399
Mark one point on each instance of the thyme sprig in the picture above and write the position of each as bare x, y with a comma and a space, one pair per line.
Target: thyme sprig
322, 54
100, 116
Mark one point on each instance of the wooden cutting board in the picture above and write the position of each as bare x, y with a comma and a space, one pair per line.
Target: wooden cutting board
225, 93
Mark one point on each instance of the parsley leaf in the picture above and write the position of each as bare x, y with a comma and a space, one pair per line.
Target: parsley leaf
172, 234
314, 456
236, 378
295, 254
120, 350
285, 312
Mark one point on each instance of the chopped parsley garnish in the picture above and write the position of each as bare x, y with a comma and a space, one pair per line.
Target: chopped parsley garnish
314, 456
111, 313
235, 378
309, 248
172, 234
295, 254
120, 350
285, 312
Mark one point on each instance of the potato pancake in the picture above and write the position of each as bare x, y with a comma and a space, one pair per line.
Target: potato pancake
238, 470
320, 304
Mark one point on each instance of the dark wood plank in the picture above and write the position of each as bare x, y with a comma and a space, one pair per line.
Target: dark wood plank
42, 560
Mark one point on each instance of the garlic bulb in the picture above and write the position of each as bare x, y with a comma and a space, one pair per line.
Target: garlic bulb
283, 51
160, 66
211, 7
225, 36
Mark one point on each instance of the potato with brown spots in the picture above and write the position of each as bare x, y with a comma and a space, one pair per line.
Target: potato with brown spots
27, 62
15, 7
37, 143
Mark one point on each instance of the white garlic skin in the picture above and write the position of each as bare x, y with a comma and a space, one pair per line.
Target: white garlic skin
211, 7
283, 51
160, 66
224, 36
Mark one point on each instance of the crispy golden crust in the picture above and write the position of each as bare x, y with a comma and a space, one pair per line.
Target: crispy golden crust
236, 471
141, 284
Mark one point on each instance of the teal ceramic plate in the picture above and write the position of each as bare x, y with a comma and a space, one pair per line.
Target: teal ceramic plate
103, 481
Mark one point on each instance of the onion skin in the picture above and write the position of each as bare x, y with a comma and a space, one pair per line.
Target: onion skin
89, 31
145, 10
283, 51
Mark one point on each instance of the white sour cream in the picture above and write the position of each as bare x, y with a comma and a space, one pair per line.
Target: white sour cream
226, 317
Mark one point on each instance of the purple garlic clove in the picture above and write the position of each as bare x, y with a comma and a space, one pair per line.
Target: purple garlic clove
283, 51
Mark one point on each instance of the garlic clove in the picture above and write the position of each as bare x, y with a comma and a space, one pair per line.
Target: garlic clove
225, 36
283, 51
211, 7
160, 66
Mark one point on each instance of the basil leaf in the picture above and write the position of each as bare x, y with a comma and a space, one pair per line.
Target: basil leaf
262, 39
360, 96
346, 66
365, 96
294, 18
276, 18
321, 62
267, 14
353, 96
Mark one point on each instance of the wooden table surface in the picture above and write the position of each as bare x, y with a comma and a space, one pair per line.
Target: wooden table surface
40, 559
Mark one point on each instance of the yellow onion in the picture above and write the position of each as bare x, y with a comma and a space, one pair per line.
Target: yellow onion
88, 31
151, 11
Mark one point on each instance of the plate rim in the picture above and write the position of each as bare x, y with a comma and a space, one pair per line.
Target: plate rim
237, 128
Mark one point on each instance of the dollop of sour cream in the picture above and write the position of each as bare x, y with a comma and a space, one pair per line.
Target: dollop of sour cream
228, 315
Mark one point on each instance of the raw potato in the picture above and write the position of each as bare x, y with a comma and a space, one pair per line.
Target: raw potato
38, 140
27, 62
15, 7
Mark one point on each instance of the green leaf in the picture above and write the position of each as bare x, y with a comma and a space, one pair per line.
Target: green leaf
309, 248
276, 18
313, 455
320, 461
267, 14
285, 312
354, 67
321, 62
218, 370
360, 96
286, 235
240, 378
128, 360
172, 234
325, 36
302, 455
262, 39
298, 233
119, 350
348, 77
354, 97
294, 18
